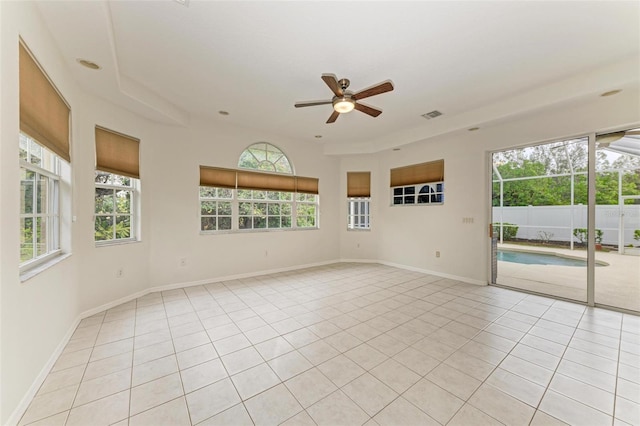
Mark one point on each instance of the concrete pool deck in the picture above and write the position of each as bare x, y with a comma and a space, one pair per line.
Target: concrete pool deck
617, 285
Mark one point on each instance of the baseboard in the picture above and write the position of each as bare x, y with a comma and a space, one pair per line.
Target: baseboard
436, 273
239, 276
19, 411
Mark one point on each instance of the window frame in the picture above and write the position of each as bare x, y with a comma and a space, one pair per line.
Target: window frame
360, 202
52, 215
134, 190
412, 192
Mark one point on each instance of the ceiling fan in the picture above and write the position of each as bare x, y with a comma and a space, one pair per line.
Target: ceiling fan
345, 101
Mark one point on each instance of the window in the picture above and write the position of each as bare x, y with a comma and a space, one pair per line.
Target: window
44, 157
215, 208
421, 184
242, 200
431, 193
39, 202
359, 199
114, 201
116, 187
358, 216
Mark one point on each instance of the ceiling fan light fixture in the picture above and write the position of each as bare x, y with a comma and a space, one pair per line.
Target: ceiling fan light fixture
343, 104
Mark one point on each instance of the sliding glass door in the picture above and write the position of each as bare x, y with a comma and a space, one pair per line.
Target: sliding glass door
543, 211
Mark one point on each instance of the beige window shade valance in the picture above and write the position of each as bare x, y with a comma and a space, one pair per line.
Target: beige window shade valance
358, 184
307, 185
433, 171
245, 179
117, 153
215, 176
266, 181
44, 114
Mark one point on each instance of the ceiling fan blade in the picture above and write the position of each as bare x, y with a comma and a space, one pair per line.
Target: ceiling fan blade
374, 112
385, 86
311, 103
333, 117
332, 81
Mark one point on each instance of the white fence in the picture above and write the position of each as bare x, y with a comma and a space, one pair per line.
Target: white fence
556, 220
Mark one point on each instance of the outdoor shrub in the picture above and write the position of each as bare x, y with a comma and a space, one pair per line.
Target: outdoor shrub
509, 233
636, 235
582, 235
544, 236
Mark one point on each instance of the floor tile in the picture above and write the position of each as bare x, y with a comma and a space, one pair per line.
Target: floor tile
310, 387
366, 356
318, 352
369, 393
103, 411
149, 353
501, 406
191, 341
469, 415
61, 379
254, 380
273, 406
49, 404
470, 365
202, 375
571, 411
273, 348
156, 392
231, 344
526, 369
402, 412
585, 393
236, 416
588, 375
454, 381
343, 341
290, 364
538, 357
627, 411
211, 400
337, 409
433, 400
300, 419
417, 361
91, 390
241, 360
300, 338
540, 418
387, 345
395, 375
341, 370
261, 334
154, 370
516, 386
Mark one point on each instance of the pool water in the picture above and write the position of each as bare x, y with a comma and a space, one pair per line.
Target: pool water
539, 259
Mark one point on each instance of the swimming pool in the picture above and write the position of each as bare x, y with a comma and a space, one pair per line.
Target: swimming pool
530, 258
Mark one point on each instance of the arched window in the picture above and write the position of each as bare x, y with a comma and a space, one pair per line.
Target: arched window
266, 157
257, 200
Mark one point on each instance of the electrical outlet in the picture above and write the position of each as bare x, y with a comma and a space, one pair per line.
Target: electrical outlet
183, 261
120, 273
437, 253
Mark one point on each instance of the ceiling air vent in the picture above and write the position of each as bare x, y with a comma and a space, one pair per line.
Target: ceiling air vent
432, 114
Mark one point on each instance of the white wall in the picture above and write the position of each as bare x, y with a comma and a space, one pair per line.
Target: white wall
410, 235
39, 313
36, 315
174, 210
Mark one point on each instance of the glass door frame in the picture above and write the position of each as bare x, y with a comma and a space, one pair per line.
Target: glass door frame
591, 214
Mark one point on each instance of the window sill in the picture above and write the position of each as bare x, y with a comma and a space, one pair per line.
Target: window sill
110, 243
256, 231
359, 229
36, 270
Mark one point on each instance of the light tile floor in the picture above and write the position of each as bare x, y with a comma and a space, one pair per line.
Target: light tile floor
346, 344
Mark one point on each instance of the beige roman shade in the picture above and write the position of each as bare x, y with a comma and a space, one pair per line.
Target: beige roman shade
358, 184
215, 176
306, 185
266, 181
433, 171
117, 153
44, 114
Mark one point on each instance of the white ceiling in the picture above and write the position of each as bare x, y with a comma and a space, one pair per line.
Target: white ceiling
476, 62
